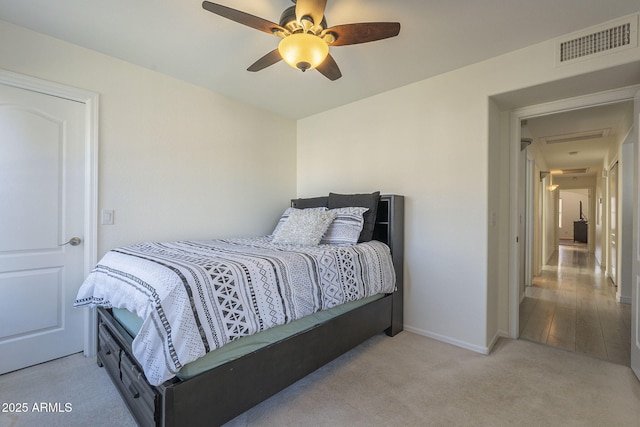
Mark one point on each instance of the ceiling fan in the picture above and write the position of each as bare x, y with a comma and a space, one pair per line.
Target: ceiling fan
305, 37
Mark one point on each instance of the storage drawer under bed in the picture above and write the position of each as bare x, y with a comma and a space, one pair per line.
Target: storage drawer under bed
108, 349
141, 398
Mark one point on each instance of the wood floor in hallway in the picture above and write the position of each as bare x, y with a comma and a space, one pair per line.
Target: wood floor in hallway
572, 305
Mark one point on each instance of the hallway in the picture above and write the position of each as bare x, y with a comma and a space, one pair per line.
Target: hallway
572, 305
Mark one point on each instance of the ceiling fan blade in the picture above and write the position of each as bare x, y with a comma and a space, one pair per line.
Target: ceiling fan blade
266, 61
363, 32
242, 17
312, 8
329, 68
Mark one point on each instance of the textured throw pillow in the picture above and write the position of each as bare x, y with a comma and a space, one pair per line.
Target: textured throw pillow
285, 216
304, 227
362, 200
346, 228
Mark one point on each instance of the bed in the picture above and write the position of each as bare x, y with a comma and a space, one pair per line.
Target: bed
214, 395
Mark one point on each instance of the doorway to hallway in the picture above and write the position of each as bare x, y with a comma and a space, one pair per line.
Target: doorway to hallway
572, 305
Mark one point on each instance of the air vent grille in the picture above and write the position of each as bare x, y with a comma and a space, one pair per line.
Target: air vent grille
577, 136
595, 41
574, 171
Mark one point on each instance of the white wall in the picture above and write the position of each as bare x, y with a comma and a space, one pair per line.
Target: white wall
496, 265
431, 141
175, 161
178, 161
550, 220
540, 195
571, 211
625, 274
600, 221
403, 142
588, 184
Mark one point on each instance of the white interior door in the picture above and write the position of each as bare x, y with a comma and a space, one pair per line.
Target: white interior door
42, 190
635, 291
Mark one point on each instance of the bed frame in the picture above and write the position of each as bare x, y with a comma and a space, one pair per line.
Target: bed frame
219, 395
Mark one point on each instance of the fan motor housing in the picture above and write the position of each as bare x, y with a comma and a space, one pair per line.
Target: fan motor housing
289, 16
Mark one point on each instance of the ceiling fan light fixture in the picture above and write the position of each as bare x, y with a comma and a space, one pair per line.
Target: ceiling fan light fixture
303, 51
305, 35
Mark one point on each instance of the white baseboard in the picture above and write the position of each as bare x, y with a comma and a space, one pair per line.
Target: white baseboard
495, 338
623, 300
452, 341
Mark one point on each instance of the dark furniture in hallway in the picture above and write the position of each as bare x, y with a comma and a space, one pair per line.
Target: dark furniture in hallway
580, 231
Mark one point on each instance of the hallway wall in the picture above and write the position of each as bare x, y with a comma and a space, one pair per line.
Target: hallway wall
571, 200
588, 184
625, 280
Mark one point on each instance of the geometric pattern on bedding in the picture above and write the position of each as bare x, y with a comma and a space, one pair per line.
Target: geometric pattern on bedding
196, 296
225, 291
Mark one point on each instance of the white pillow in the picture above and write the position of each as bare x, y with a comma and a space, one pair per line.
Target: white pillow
286, 214
304, 227
346, 228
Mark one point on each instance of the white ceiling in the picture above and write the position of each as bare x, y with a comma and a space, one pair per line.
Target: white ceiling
614, 119
179, 38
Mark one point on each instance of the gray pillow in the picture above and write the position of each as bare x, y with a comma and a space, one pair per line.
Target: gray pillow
369, 200
310, 202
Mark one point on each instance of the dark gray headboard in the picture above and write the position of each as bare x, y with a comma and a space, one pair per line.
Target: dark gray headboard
389, 226
389, 229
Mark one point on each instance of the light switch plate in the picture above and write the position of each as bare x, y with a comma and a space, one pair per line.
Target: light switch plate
107, 217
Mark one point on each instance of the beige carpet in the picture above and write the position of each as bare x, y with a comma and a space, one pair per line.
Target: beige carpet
407, 380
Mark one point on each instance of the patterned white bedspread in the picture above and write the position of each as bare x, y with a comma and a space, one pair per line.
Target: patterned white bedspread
195, 296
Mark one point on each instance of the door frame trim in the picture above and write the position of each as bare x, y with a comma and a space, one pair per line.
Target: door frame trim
90, 199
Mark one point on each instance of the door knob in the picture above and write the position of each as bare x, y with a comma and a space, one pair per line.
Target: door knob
74, 241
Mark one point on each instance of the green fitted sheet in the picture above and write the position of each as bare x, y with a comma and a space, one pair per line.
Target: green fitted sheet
244, 345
